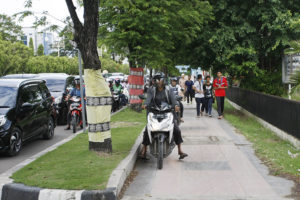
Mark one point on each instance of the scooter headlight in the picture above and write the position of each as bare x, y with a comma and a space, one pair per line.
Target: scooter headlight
3, 120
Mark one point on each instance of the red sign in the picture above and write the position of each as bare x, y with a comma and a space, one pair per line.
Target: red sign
136, 85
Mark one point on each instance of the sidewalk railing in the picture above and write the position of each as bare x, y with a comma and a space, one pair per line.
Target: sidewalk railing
280, 112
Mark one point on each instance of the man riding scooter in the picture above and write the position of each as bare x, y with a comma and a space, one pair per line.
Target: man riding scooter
176, 89
157, 95
74, 92
117, 88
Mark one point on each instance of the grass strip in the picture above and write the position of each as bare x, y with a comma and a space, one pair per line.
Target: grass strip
73, 166
271, 149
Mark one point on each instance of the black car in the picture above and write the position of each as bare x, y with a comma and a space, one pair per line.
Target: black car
26, 111
59, 86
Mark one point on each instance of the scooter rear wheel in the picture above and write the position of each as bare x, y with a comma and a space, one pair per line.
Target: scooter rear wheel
160, 157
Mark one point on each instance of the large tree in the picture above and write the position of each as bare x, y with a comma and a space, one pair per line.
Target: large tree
97, 91
247, 39
151, 32
13, 57
98, 94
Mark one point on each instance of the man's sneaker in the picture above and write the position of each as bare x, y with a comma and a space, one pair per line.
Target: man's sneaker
198, 116
210, 115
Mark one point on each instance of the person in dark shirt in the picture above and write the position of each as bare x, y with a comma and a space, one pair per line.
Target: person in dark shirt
209, 95
158, 95
189, 89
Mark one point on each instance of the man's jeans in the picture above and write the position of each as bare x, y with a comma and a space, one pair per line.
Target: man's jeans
200, 101
220, 104
209, 102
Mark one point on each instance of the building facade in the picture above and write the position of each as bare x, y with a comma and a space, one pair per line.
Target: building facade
45, 38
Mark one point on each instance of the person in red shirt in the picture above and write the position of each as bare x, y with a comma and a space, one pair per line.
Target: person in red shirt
220, 84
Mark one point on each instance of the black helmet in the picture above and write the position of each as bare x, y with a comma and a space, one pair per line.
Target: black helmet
159, 76
117, 81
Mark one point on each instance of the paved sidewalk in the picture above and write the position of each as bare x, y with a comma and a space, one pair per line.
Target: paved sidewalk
221, 165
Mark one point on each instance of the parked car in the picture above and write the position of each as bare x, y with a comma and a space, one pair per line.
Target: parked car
115, 76
59, 86
26, 111
19, 76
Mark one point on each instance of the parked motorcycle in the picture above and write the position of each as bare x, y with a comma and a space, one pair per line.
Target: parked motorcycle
76, 113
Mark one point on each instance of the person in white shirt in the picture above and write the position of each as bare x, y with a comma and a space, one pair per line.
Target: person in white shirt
175, 88
199, 95
182, 86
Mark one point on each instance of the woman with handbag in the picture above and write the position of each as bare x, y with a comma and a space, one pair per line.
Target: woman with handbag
209, 96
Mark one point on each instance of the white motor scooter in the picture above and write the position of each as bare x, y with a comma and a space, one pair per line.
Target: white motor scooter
160, 131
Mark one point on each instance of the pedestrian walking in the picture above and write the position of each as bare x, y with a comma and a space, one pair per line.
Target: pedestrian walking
220, 84
189, 89
208, 95
199, 95
175, 88
182, 86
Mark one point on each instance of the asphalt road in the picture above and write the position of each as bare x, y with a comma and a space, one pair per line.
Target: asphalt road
33, 147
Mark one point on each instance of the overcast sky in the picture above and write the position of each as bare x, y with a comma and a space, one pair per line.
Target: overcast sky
57, 8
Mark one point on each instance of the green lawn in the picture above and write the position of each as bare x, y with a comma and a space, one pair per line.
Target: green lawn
272, 150
73, 166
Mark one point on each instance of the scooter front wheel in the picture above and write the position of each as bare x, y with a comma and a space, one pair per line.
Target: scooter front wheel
74, 123
160, 157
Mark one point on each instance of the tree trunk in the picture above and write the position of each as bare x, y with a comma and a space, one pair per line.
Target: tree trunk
99, 98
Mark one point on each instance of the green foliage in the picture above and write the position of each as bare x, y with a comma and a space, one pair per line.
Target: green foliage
151, 33
31, 46
13, 57
48, 64
9, 30
17, 58
67, 34
112, 66
40, 50
295, 79
247, 39
270, 148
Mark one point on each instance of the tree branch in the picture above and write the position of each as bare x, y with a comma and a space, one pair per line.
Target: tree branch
72, 10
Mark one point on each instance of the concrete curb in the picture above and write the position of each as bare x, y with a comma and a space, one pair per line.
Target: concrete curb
13, 191
283, 135
120, 174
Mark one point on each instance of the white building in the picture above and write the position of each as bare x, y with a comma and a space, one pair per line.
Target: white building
45, 38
